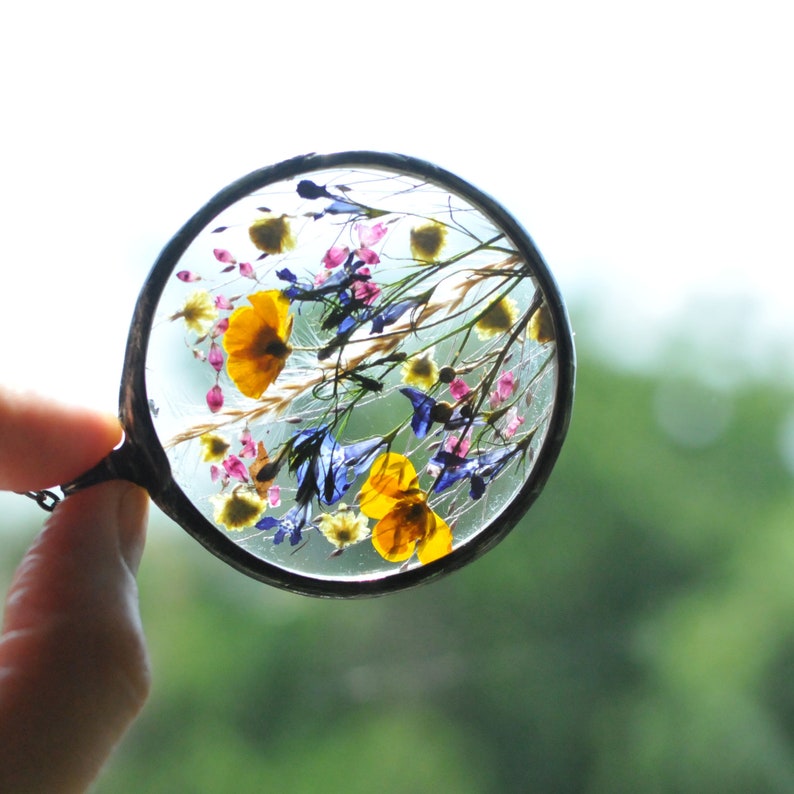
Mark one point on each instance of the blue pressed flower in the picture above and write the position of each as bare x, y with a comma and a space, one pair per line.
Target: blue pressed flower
482, 469
291, 524
328, 468
311, 190
336, 284
452, 467
477, 488
342, 207
489, 465
359, 456
423, 406
393, 313
427, 410
285, 274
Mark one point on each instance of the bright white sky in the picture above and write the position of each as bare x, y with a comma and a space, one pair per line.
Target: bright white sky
646, 148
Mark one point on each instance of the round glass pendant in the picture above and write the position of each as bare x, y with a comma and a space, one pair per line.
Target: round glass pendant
346, 374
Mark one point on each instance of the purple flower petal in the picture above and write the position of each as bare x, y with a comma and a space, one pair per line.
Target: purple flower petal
367, 256
369, 235
335, 256
215, 357
459, 389
234, 467
215, 398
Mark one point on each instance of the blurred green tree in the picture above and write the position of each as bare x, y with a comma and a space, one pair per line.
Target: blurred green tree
634, 634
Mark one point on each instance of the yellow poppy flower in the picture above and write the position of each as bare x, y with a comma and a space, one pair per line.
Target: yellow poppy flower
344, 527
406, 523
420, 370
427, 240
256, 342
198, 312
272, 234
238, 509
214, 447
499, 318
540, 327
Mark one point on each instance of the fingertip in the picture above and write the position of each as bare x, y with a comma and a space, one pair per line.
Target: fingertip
47, 443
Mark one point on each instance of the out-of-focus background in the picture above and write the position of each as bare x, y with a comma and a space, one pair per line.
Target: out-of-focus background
636, 632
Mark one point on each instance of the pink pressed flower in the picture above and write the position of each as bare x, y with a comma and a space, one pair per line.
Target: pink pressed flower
222, 255
322, 277
219, 328
234, 467
215, 357
222, 302
215, 399
274, 496
249, 448
505, 385
335, 256
366, 291
457, 446
458, 389
369, 235
246, 270
514, 421
215, 473
187, 276
367, 256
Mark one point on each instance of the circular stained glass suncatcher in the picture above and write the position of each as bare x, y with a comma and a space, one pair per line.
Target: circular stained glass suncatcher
346, 374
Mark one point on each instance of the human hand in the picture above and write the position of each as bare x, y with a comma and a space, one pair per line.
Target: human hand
73, 663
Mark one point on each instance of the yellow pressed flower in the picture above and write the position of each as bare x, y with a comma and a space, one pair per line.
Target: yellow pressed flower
238, 509
256, 342
214, 447
499, 318
540, 327
405, 522
199, 312
272, 234
420, 370
344, 527
427, 240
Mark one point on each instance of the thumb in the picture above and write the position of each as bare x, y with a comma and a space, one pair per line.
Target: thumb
73, 662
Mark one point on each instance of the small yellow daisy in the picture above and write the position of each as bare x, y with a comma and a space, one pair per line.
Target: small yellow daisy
427, 240
272, 234
420, 370
238, 509
343, 528
198, 312
214, 447
499, 318
540, 327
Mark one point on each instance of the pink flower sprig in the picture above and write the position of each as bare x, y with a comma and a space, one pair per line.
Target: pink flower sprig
505, 386
459, 389
215, 399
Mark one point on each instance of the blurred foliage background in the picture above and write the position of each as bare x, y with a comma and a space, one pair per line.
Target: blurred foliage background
634, 634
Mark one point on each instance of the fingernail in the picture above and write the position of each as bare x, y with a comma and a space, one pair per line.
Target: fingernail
133, 514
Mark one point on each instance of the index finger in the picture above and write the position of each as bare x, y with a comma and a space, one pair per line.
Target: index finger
44, 443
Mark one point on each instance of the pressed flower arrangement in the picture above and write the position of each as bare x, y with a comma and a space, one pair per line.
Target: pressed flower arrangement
347, 374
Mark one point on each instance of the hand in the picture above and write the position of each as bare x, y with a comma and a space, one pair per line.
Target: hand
73, 663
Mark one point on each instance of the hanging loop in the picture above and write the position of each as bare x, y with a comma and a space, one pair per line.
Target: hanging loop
46, 500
